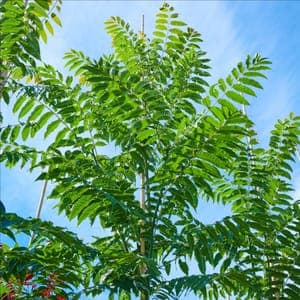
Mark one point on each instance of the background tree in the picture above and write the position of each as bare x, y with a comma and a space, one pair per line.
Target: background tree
48, 267
193, 142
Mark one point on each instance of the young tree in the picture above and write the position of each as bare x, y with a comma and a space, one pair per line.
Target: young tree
189, 142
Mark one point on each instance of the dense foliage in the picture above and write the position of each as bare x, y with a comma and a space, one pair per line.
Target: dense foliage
187, 140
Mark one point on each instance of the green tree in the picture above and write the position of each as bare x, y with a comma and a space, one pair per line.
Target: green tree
180, 141
52, 265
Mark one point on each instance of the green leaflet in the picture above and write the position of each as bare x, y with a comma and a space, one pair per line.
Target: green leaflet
49, 27
36, 112
79, 206
251, 82
183, 266
5, 133
14, 134
244, 89
87, 212
25, 132
145, 134
237, 97
26, 108
51, 127
37, 10
177, 23
44, 119
43, 36
56, 19
159, 34
61, 134
18, 103
255, 74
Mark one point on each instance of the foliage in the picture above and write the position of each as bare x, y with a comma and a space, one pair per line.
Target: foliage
191, 141
29, 272
22, 23
52, 264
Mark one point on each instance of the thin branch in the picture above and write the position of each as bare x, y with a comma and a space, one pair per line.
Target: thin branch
40, 205
143, 207
143, 176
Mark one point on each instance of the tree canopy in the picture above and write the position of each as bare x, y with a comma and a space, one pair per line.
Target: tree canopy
180, 141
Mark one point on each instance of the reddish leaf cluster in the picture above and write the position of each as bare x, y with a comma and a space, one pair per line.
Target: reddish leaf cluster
46, 292
10, 296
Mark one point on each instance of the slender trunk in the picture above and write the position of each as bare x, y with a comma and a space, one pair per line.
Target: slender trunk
143, 294
142, 205
271, 279
40, 205
143, 176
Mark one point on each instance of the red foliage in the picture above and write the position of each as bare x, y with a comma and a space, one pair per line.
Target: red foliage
11, 296
28, 277
46, 292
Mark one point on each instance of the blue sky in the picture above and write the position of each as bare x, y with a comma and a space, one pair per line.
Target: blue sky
230, 31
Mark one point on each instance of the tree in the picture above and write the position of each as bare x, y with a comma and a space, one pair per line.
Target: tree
48, 267
189, 142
